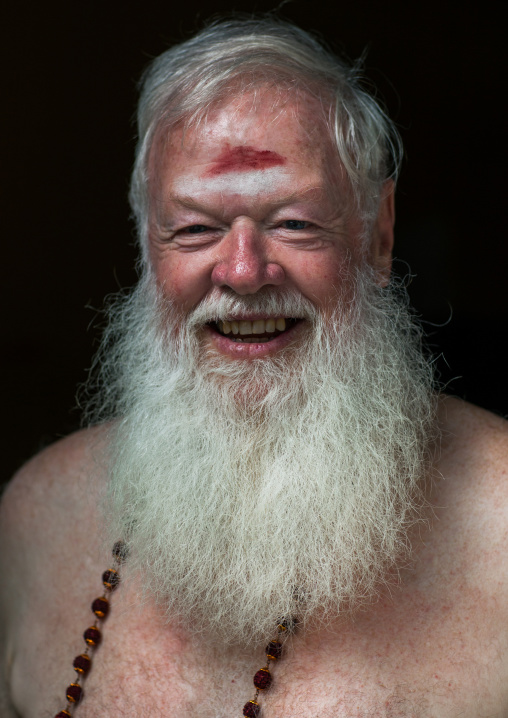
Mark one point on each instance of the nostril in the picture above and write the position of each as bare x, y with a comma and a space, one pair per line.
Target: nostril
275, 273
219, 274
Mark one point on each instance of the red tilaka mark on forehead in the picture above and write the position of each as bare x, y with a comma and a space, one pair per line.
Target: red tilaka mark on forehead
243, 159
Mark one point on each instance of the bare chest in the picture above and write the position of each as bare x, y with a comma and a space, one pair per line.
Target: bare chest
438, 661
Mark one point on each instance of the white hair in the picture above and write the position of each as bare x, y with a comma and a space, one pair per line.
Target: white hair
185, 82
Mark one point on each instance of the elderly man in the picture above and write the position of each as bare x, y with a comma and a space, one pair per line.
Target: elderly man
301, 525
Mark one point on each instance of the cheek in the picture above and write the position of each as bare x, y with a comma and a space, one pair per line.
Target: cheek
325, 277
181, 279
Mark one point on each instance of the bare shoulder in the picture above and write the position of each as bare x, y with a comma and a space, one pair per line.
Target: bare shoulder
472, 494
474, 442
48, 535
49, 510
53, 484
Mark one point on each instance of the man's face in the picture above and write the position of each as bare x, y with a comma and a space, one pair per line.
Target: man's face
253, 199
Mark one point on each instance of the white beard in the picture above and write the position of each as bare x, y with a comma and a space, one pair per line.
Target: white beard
275, 487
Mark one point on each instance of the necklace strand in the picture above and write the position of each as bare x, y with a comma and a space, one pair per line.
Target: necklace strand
93, 635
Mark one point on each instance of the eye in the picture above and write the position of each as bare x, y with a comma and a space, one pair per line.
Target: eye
196, 228
295, 224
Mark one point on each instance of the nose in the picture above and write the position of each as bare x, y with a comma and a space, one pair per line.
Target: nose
243, 264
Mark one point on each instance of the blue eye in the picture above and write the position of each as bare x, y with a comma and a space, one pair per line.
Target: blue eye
295, 224
196, 228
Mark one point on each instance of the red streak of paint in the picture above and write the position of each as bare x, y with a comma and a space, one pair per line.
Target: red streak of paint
244, 159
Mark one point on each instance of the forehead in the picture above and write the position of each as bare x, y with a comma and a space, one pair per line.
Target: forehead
254, 132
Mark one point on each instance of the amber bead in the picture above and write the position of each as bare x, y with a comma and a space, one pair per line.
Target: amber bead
111, 579
251, 709
74, 693
286, 624
100, 607
92, 636
274, 650
63, 714
82, 664
120, 551
263, 679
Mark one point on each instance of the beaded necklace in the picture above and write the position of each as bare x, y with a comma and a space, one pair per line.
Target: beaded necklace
93, 636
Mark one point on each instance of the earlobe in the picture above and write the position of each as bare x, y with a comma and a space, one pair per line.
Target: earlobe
382, 234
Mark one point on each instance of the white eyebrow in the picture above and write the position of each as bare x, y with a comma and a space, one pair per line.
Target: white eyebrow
251, 182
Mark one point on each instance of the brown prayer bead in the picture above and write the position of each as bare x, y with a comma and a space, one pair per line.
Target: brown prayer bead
263, 679
286, 624
274, 650
111, 579
92, 636
74, 693
100, 607
82, 664
120, 551
251, 709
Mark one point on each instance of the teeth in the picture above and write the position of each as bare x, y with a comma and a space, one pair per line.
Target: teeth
256, 327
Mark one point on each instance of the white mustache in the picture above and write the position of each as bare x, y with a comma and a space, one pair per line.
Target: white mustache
220, 304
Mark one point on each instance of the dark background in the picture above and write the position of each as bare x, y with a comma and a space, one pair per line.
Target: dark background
69, 76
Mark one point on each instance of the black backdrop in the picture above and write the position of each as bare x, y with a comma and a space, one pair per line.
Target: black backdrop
69, 77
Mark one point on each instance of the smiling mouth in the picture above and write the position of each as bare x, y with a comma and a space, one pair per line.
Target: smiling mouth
253, 331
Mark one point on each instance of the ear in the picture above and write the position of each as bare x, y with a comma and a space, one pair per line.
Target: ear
382, 234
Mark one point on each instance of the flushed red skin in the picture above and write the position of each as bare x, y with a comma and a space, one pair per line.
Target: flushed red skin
244, 158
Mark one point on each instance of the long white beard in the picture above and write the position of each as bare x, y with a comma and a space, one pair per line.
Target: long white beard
277, 487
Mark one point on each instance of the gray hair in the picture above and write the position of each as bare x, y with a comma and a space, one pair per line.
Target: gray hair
185, 82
